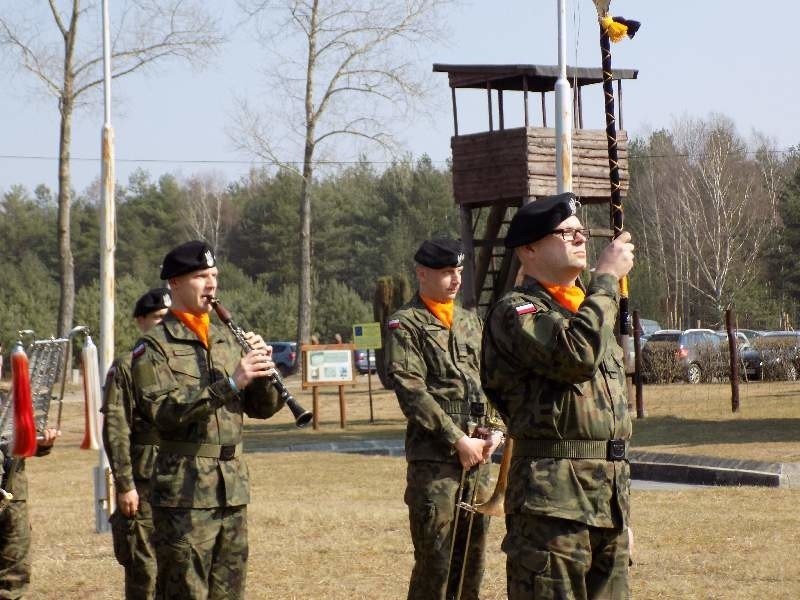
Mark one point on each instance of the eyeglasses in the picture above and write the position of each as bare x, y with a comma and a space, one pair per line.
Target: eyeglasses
569, 233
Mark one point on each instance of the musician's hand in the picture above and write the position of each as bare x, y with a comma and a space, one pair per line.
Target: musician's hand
617, 258
257, 342
494, 442
253, 365
470, 451
48, 437
128, 502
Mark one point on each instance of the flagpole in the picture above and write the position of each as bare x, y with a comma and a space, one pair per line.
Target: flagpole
563, 109
104, 492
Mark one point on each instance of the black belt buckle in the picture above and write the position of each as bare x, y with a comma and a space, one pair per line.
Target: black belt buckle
616, 450
227, 453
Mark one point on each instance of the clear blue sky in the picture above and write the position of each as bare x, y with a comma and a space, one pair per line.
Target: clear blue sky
694, 58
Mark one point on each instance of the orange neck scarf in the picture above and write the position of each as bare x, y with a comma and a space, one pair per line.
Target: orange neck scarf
197, 323
441, 310
569, 296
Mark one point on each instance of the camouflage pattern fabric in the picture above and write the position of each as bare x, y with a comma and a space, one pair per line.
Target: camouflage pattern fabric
134, 548
555, 375
435, 372
15, 543
187, 542
431, 494
15, 529
183, 388
550, 558
124, 427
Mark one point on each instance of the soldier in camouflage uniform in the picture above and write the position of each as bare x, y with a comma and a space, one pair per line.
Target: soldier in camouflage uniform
15, 526
432, 355
193, 383
131, 444
554, 371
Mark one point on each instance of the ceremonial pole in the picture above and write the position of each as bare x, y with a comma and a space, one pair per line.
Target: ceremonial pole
104, 491
616, 28
563, 109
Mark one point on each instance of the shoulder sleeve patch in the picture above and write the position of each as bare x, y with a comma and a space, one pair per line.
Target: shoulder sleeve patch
393, 324
138, 351
526, 308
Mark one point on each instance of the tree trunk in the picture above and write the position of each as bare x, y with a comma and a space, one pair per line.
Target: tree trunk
304, 292
66, 266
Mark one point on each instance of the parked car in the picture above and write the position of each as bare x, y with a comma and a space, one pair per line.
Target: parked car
361, 361
284, 354
750, 363
649, 327
779, 353
692, 355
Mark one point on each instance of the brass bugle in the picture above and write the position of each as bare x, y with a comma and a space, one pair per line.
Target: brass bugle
302, 417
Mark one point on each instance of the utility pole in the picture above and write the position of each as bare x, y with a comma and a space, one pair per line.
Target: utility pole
563, 107
104, 490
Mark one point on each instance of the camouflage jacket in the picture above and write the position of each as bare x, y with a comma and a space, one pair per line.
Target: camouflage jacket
19, 485
555, 375
435, 373
128, 438
184, 390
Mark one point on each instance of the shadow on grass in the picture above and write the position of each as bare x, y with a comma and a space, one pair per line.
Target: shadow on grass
676, 431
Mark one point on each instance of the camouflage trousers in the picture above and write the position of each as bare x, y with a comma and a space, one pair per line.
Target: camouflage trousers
431, 498
201, 552
15, 544
558, 559
134, 550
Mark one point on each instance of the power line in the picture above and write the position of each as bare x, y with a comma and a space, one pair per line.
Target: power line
211, 161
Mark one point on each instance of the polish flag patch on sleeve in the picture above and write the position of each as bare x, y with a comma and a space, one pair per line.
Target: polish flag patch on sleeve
526, 309
393, 324
138, 351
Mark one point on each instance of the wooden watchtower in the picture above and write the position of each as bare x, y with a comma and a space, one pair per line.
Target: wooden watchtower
497, 171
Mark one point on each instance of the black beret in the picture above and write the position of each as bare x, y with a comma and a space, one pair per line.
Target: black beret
440, 254
153, 300
188, 257
538, 218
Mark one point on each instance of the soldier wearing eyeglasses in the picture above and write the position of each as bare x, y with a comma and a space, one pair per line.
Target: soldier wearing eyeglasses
554, 371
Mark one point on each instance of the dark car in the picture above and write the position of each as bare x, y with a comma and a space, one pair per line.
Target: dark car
364, 365
692, 355
284, 354
750, 363
779, 353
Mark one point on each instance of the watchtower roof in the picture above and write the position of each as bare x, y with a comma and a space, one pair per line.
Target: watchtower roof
540, 78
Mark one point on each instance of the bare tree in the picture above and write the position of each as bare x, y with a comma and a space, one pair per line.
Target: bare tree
208, 212
346, 70
727, 208
67, 64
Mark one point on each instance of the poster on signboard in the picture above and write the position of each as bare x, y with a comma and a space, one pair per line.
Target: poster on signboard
328, 364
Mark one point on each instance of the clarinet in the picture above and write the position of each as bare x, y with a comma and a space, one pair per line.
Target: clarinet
302, 417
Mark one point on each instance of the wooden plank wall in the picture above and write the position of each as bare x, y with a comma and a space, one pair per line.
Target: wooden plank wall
514, 163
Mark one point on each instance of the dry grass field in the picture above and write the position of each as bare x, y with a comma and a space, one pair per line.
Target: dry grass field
332, 526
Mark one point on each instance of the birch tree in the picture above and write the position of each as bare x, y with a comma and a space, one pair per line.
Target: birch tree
342, 70
59, 45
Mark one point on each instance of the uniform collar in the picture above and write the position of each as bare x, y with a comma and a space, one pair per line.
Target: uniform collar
173, 326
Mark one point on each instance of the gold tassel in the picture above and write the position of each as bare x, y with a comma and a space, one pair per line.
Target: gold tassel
616, 31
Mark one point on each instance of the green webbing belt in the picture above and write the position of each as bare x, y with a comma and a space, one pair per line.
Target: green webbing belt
575, 449
149, 438
204, 450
